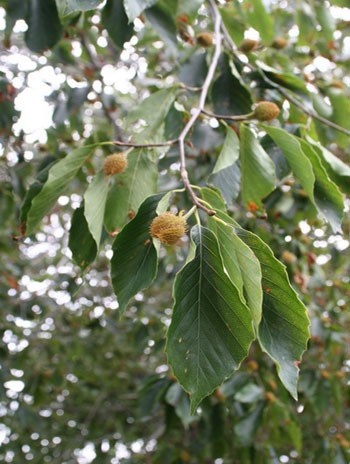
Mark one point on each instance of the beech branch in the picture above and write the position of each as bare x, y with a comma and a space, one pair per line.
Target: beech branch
195, 114
280, 89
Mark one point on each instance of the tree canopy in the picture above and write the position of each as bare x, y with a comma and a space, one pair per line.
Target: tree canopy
174, 212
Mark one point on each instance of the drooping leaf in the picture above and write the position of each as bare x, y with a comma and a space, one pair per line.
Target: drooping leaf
80, 5
328, 199
60, 176
134, 8
246, 427
298, 161
163, 22
284, 328
193, 71
341, 114
228, 93
15, 9
153, 111
240, 263
44, 27
306, 166
226, 173
34, 190
131, 187
211, 329
134, 263
179, 400
81, 242
116, 22
95, 199
257, 168
337, 170
261, 20
234, 25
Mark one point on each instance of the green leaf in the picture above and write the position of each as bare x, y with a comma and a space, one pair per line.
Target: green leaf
153, 111
246, 427
163, 22
95, 199
134, 8
131, 187
179, 400
80, 5
234, 25
298, 161
60, 176
284, 328
226, 173
257, 168
260, 20
328, 199
34, 190
15, 9
44, 27
188, 8
211, 329
228, 93
326, 20
116, 22
307, 167
250, 393
194, 70
81, 242
337, 170
341, 114
134, 263
240, 263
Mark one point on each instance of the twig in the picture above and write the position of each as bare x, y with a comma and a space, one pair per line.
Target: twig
240, 117
197, 111
167, 143
281, 90
97, 68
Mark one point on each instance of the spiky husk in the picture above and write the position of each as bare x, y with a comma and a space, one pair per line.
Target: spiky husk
266, 111
115, 164
168, 228
205, 39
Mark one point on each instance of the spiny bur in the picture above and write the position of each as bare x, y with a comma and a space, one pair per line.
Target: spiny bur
266, 111
248, 45
115, 164
279, 43
205, 39
168, 228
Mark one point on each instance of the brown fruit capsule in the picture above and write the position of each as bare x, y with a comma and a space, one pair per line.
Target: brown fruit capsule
168, 228
279, 43
205, 39
266, 111
248, 45
115, 164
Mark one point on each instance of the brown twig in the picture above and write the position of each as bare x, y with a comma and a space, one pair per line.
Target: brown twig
240, 117
195, 114
281, 90
167, 143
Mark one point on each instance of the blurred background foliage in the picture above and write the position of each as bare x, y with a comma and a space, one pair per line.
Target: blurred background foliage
79, 385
